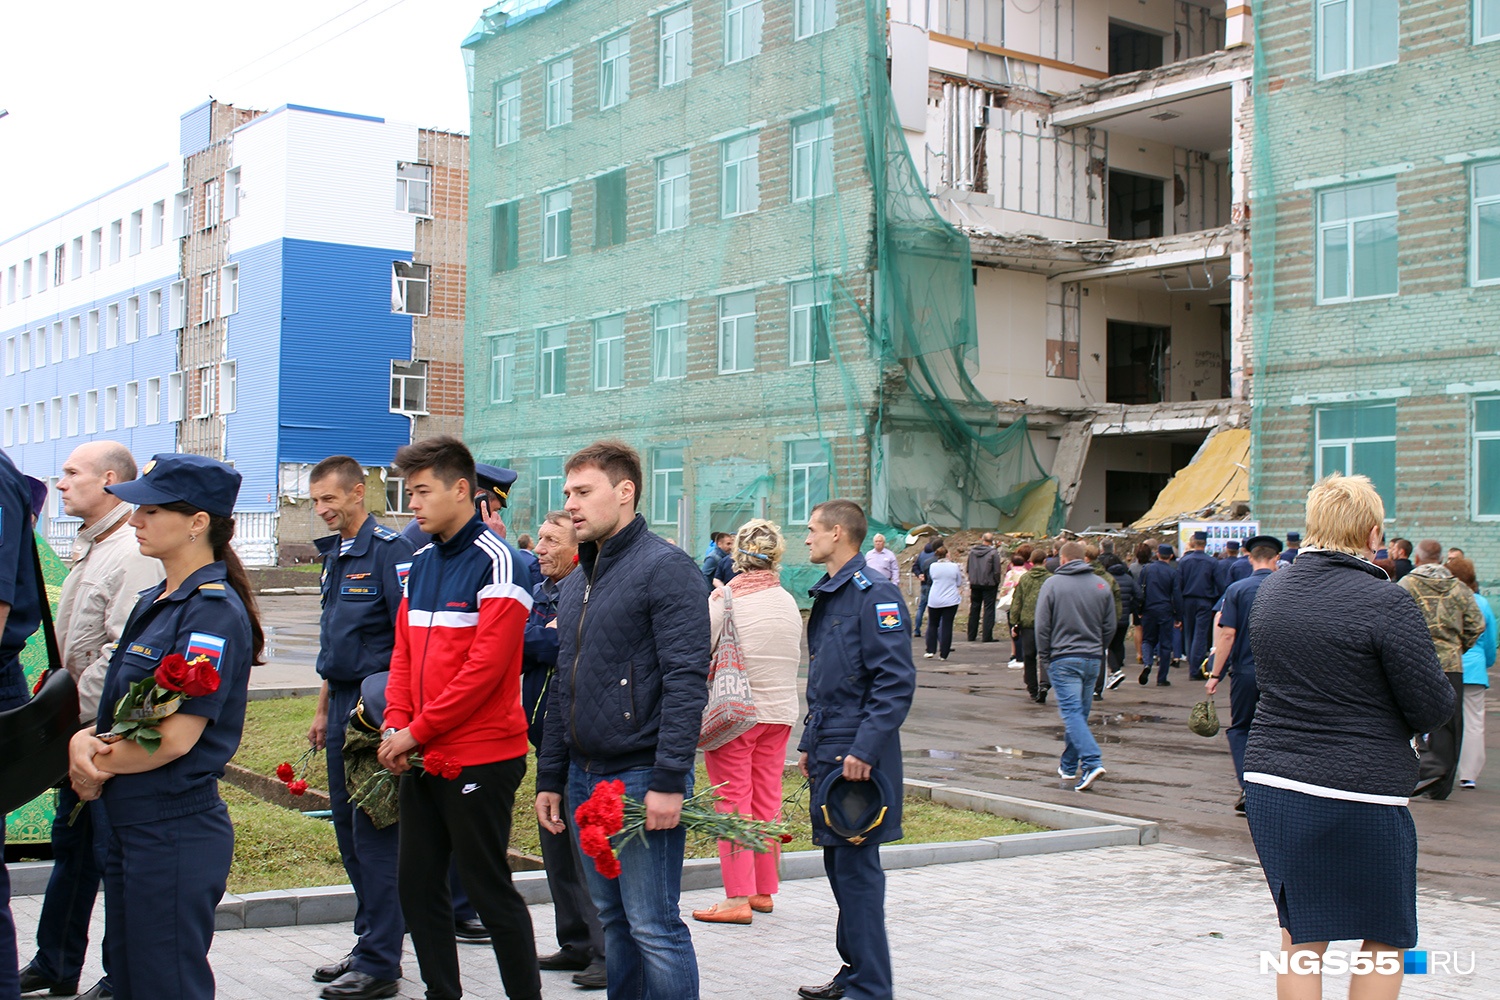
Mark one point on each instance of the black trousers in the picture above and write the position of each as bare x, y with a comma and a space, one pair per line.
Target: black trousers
940, 629
982, 599
1036, 679
1440, 755
578, 927
467, 819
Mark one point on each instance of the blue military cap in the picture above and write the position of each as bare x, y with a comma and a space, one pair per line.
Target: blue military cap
207, 484
853, 809
1164, 550
1233, 545
1200, 536
495, 480
368, 713
1260, 540
1293, 536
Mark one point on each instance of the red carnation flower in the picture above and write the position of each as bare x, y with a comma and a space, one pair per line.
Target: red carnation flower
285, 772
174, 672
202, 680
608, 866
450, 769
786, 838
296, 787
432, 762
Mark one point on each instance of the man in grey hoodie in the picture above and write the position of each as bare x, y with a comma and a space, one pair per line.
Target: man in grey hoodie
985, 570
1075, 619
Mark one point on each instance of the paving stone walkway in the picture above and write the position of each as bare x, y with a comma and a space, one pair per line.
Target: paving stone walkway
1161, 922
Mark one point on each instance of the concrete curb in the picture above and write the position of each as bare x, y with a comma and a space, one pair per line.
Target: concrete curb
269, 694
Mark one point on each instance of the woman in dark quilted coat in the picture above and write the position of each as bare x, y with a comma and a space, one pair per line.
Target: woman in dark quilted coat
1348, 675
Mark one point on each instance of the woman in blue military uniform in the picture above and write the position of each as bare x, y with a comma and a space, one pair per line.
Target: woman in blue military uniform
168, 852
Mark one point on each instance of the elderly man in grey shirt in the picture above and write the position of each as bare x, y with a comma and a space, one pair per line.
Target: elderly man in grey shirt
883, 561
107, 575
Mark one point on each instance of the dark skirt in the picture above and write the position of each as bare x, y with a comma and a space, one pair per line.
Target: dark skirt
1338, 870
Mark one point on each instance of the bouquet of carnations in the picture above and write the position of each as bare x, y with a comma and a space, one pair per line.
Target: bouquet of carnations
609, 815
377, 793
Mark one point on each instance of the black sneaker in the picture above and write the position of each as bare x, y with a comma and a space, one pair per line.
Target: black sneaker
1145, 675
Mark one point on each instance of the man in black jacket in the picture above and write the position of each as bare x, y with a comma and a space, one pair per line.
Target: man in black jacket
985, 569
626, 704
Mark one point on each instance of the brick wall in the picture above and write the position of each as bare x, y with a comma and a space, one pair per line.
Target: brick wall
442, 241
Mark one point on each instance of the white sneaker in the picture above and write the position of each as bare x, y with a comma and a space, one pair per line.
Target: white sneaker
926, 656
1088, 779
1064, 774
1115, 678
1015, 665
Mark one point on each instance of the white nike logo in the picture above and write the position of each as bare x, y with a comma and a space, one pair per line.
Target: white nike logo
469, 788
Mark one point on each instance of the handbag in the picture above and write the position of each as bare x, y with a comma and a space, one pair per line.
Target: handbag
1203, 719
34, 737
730, 712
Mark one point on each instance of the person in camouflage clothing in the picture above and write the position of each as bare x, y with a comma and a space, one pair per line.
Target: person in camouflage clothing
1022, 615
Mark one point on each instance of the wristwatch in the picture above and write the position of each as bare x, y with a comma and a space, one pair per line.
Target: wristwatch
388, 733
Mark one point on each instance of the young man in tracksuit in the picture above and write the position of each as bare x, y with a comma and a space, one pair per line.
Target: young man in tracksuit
454, 694
626, 704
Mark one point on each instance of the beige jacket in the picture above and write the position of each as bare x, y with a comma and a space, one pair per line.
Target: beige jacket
770, 631
98, 595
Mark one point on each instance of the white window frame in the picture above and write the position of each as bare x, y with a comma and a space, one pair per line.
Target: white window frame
817, 294
137, 234
507, 111
803, 470
116, 241
10, 355
673, 191
176, 397
91, 332
1348, 225
405, 374
614, 70
132, 319
39, 421
609, 353
182, 212
552, 361
158, 223
407, 276
153, 312
557, 224
232, 193
396, 500
414, 189
112, 326
739, 176
813, 17
56, 411
91, 411
1476, 203
75, 336
503, 368
669, 323
674, 62
23, 351
59, 351
1352, 9
208, 297
10, 427
558, 106
23, 424
43, 271
666, 479
1478, 437
210, 203
743, 21
132, 404
208, 379
111, 407
1319, 443
735, 330
153, 401
177, 305
229, 386
39, 347
229, 290
96, 249
549, 485
812, 158
75, 269
74, 407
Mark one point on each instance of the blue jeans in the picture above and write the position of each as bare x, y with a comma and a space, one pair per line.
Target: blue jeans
1073, 682
650, 951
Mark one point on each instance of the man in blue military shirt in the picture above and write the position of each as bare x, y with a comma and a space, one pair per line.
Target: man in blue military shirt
364, 572
1234, 565
860, 681
20, 614
1200, 590
1233, 649
1161, 611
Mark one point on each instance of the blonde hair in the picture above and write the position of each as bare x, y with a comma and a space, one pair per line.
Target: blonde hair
1341, 513
758, 545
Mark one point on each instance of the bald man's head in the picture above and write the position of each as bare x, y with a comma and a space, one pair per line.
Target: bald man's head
87, 471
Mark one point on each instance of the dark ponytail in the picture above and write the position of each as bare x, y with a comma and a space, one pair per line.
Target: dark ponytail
220, 534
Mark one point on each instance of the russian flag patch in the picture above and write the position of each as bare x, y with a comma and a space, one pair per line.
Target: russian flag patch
203, 644
888, 616
403, 570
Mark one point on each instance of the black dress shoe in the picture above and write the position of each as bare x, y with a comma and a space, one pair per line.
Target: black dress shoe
1239, 805
471, 932
592, 978
102, 991
566, 960
328, 973
33, 981
355, 985
833, 990
1163, 684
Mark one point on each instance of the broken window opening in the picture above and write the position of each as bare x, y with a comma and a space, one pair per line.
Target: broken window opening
1139, 363
409, 283
1132, 49
1137, 207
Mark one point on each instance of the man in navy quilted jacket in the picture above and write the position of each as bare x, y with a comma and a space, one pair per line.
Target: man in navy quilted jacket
627, 704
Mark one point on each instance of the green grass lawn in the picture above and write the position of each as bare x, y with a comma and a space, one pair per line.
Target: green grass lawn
276, 848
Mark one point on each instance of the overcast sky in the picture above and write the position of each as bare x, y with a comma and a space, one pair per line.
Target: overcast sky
95, 87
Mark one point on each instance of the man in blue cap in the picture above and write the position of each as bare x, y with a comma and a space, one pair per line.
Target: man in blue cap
1232, 651
1233, 566
1293, 543
860, 681
1200, 589
1161, 604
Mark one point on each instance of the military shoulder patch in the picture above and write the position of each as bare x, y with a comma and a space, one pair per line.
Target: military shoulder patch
888, 616
862, 582
386, 534
214, 590
403, 570
206, 645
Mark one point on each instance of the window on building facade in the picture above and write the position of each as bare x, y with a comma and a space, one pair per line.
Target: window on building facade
23, 424
96, 249
93, 331
132, 403
503, 368
229, 386
1357, 242
557, 224
177, 305
73, 408
395, 495
1359, 440
111, 407
56, 412
409, 387
39, 421
229, 297
208, 296
614, 70
10, 427
59, 264
742, 26
736, 332
132, 319
669, 341
112, 326
210, 203
1487, 457
43, 271
116, 240
813, 16
10, 355
58, 352
75, 335
507, 111
671, 192
182, 211
153, 401
549, 484
1355, 35
676, 58
811, 321
666, 484
137, 227
741, 175
176, 397
207, 383
552, 362
609, 352
1486, 20
26, 272
91, 412
232, 193
409, 282
812, 158
504, 235
609, 209
23, 351
414, 188
559, 75
1484, 223
153, 312
807, 479
158, 223
76, 258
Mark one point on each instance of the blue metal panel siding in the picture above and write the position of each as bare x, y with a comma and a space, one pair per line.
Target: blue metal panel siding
148, 357
193, 136
253, 342
337, 342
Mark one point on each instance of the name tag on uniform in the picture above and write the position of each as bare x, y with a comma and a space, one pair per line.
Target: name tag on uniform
888, 616
141, 649
360, 590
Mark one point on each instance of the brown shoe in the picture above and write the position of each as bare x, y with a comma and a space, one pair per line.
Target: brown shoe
762, 904
733, 915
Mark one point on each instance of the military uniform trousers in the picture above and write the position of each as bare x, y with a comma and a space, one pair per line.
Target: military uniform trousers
1156, 640
1244, 695
164, 879
858, 884
369, 855
1197, 629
